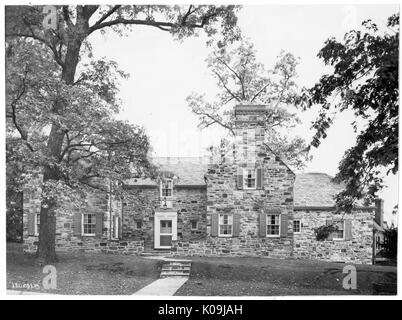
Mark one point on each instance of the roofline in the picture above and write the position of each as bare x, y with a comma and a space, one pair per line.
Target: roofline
155, 186
325, 208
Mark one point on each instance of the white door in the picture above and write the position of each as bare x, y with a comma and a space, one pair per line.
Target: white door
165, 229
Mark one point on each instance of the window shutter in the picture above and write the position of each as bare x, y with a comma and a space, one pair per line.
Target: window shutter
31, 223
236, 224
239, 178
263, 224
327, 223
120, 228
77, 223
99, 224
214, 225
260, 178
348, 229
284, 225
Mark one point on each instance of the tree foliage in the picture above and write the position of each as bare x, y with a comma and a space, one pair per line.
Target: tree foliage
241, 79
78, 139
365, 81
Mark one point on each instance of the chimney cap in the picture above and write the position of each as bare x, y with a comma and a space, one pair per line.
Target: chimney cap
250, 108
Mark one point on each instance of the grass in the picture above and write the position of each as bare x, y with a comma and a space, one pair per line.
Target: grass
77, 273
274, 277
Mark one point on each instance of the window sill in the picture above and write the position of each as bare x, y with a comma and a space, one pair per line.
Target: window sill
338, 239
273, 236
88, 235
225, 236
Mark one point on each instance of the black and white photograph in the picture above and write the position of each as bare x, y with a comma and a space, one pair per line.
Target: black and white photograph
177, 150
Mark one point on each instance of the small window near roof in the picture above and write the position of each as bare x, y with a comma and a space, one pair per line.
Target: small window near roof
166, 188
194, 224
296, 226
249, 178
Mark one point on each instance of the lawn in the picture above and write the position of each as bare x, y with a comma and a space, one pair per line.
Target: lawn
274, 277
78, 273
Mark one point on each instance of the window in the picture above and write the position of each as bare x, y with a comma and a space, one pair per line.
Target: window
89, 224
225, 225
340, 233
116, 227
249, 179
273, 225
194, 224
138, 224
296, 226
37, 224
166, 188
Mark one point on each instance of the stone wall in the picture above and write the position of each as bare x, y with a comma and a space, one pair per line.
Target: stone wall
224, 195
356, 250
141, 203
263, 247
66, 238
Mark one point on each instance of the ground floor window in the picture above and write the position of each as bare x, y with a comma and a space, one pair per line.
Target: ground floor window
37, 224
273, 225
296, 226
89, 224
339, 234
116, 227
225, 225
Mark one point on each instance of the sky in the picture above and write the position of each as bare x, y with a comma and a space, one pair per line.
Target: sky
163, 72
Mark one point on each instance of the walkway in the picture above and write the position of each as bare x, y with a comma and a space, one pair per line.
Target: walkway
162, 287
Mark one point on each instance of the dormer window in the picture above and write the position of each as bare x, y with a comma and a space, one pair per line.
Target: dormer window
166, 188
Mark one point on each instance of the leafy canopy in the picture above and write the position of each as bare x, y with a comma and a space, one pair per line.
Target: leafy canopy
242, 79
365, 81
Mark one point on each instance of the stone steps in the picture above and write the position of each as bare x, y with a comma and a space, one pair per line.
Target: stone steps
176, 269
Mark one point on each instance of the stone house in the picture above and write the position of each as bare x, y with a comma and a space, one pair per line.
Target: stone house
243, 202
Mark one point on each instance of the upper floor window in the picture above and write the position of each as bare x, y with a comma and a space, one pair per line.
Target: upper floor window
166, 188
249, 179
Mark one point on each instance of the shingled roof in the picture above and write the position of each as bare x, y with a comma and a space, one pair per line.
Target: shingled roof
310, 189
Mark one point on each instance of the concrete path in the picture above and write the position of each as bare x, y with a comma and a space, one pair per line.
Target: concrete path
162, 287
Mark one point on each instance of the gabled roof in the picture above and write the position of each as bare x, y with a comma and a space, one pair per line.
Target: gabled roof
189, 170
310, 189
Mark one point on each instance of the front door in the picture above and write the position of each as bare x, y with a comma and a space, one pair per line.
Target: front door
165, 229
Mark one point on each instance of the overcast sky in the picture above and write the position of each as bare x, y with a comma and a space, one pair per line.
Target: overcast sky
164, 72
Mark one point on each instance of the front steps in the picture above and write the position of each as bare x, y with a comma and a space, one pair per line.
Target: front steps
178, 268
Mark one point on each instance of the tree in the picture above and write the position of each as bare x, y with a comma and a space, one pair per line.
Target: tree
365, 81
242, 79
96, 147
73, 26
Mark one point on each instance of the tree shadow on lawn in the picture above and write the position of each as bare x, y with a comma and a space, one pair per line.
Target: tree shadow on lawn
267, 277
78, 273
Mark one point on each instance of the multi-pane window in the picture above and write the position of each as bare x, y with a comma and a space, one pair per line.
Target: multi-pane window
194, 225
296, 226
339, 234
138, 224
37, 224
166, 188
225, 225
273, 225
89, 224
249, 179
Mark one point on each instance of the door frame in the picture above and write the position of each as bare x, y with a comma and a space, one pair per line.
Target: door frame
164, 215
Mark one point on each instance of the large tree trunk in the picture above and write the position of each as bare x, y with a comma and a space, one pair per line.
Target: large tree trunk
46, 251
